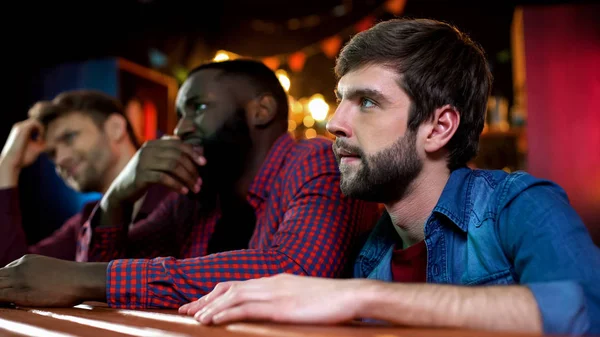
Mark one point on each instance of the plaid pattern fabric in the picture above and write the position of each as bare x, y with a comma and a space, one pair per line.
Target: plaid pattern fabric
83, 242
304, 226
107, 240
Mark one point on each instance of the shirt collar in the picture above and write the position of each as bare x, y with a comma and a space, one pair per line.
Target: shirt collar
455, 201
271, 166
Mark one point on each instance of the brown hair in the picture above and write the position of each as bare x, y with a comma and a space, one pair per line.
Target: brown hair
437, 65
96, 104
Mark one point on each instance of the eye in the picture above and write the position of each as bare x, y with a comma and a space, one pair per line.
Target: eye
70, 137
366, 103
200, 107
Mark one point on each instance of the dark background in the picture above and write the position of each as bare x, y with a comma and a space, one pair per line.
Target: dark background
41, 35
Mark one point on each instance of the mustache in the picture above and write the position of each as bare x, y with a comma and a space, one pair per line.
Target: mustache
340, 145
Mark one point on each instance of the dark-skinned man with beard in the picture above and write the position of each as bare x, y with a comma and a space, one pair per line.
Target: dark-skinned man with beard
252, 202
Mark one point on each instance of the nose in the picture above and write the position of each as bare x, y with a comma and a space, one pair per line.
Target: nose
185, 127
339, 125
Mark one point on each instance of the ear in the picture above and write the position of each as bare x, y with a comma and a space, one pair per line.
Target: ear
261, 111
115, 127
441, 128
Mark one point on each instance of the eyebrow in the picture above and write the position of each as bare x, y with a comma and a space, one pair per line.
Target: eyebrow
190, 100
354, 93
196, 98
63, 135
50, 150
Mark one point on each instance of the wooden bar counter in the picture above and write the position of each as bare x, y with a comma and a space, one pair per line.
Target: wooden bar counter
96, 319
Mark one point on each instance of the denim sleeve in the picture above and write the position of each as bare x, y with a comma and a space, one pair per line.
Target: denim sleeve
553, 255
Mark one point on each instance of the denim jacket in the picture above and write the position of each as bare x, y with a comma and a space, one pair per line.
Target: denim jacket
494, 228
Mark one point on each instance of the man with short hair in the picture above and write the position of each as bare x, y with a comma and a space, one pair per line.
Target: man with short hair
498, 251
252, 202
89, 139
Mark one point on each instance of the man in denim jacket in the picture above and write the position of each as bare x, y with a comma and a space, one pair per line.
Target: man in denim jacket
465, 248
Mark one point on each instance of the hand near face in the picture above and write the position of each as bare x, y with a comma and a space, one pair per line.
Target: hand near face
283, 298
21, 150
169, 162
35, 280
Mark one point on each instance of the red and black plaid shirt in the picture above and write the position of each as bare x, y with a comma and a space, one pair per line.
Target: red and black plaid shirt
304, 225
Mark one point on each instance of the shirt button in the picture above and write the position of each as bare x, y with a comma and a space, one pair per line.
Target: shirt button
436, 270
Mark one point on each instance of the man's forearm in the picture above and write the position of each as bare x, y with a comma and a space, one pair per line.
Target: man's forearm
9, 176
45, 281
488, 308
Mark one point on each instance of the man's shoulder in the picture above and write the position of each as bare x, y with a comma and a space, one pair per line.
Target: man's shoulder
306, 160
509, 186
311, 157
493, 192
474, 194
507, 183
318, 148
317, 144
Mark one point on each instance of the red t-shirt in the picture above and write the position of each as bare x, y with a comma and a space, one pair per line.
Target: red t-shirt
410, 264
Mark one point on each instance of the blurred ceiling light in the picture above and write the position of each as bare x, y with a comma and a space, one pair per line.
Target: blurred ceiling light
304, 102
283, 78
318, 107
291, 125
221, 56
310, 133
295, 105
308, 121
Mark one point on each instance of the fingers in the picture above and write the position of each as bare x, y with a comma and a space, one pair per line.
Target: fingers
31, 124
38, 127
184, 308
219, 290
192, 308
175, 168
194, 154
166, 180
5, 282
238, 294
20, 135
247, 311
31, 129
6, 295
180, 165
173, 158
